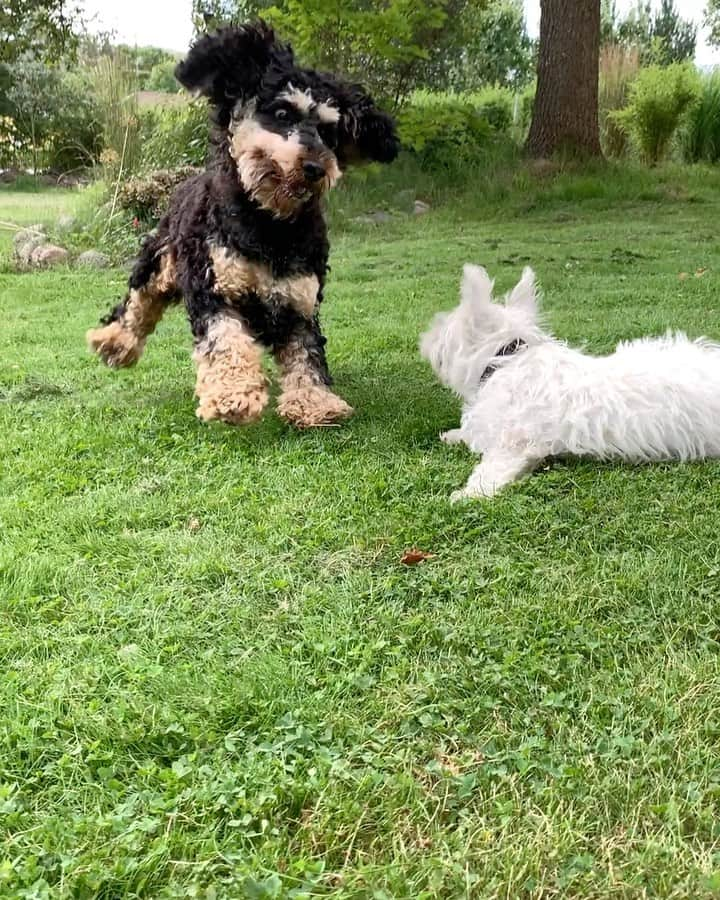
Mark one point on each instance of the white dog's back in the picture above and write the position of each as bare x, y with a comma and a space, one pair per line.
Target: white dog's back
651, 399
528, 396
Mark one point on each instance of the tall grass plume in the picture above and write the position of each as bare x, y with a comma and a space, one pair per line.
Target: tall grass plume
619, 66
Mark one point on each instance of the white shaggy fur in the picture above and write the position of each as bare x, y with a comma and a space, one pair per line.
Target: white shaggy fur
652, 399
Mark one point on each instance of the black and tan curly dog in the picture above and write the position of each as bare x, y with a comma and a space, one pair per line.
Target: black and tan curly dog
245, 243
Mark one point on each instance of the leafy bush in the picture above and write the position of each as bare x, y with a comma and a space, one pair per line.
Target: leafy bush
174, 136
445, 134
54, 118
147, 197
495, 105
701, 136
659, 98
619, 66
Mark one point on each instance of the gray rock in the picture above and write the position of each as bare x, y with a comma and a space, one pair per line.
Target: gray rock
404, 200
93, 259
420, 208
25, 243
47, 255
376, 218
26, 235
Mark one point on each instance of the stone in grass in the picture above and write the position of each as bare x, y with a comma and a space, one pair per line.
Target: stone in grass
377, 218
26, 241
47, 255
93, 259
420, 208
27, 235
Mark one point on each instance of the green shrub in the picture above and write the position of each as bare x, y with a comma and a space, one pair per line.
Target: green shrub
54, 120
76, 139
495, 105
659, 98
701, 135
175, 136
445, 134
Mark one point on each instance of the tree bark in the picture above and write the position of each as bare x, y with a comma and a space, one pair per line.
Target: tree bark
565, 114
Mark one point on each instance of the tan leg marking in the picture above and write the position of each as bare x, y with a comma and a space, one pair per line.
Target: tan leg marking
231, 385
121, 343
305, 401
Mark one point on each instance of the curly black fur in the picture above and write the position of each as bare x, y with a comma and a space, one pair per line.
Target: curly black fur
247, 76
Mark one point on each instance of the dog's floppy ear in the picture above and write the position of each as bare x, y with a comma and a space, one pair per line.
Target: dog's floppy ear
229, 64
365, 133
523, 295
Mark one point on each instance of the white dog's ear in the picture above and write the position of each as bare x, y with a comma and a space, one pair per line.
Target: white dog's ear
523, 296
477, 286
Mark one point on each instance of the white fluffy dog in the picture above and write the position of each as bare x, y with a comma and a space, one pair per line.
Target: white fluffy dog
528, 396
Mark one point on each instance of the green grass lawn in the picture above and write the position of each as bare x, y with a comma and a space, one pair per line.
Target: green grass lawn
219, 681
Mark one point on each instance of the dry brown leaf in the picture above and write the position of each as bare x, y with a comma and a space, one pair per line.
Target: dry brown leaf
683, 276
414, 556
700, 272
193, 524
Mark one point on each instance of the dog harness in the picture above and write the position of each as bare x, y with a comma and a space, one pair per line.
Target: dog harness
508, 350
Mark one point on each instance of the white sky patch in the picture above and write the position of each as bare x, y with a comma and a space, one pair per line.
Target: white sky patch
689, 9
156, 23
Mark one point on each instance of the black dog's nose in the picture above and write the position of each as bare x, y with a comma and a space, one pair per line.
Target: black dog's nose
313, 171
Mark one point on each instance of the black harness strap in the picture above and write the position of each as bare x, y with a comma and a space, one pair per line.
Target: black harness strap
508, 350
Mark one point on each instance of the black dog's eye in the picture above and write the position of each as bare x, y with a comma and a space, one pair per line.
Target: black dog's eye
281, 114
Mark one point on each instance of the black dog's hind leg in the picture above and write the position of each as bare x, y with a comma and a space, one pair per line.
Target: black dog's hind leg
306, 399
152, 286
231, 384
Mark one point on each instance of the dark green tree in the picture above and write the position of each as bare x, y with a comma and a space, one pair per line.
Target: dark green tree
673, 37
387, 44
496, 46
712, 20
46, 28
663, 37
55, 114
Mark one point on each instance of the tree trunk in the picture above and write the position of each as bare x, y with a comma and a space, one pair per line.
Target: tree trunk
565, 114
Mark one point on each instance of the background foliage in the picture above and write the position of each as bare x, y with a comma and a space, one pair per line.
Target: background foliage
459, 74
712, 20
